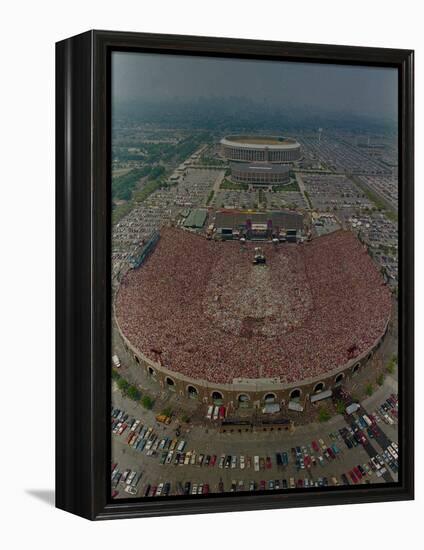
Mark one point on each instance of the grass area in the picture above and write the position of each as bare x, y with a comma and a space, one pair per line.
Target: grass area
211, 161
227, 184
379, 204
124, 185
210, 196
121, 210
308, 199
147, 189
292, 186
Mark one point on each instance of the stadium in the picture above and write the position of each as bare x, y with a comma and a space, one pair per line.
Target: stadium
207, 323
270, 149
260, 174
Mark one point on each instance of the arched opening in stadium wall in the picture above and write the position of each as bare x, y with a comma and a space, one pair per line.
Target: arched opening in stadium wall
295, 395
192, 392
152, 373
170, 383
339, 378
217, 397
243, 401
319, 387
270, 398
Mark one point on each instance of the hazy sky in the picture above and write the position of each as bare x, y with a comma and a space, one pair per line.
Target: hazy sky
332, 88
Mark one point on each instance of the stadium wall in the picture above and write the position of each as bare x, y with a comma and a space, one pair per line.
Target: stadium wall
255, 390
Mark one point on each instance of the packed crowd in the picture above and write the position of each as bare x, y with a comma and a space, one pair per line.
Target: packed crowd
204, 310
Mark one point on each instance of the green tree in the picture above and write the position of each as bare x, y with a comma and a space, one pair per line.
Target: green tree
323, 414
390, 367
123, 385
369, 389
340, 407
147, 402
380, 379
167, 411
115, 375
133, 393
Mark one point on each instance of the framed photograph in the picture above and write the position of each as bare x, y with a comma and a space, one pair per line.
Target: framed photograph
234, 275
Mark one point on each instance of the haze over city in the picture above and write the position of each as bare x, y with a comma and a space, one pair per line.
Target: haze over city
143, 79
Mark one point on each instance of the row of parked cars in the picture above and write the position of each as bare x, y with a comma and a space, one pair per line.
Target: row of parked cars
128, 480
358, 475
388, 411
142, 437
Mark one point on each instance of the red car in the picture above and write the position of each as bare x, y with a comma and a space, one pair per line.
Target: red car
268, 462
114, 466
353, 477
205, 489
221, 412
115, 493
153, 491
212, 460
357, 472
262, 485
307, 461
315, 446
300, 483
331, 452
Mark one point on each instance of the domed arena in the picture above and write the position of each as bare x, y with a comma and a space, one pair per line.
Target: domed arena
255, 148
203, 310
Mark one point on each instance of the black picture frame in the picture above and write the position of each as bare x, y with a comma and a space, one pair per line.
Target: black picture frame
83, 272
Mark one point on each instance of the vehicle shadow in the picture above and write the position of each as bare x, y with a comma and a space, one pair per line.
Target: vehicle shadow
45, 495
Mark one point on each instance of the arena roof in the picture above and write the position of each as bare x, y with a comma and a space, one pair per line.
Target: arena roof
260, 167
211, 315
260, 142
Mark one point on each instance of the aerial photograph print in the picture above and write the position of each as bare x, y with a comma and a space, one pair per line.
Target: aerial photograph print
254, 275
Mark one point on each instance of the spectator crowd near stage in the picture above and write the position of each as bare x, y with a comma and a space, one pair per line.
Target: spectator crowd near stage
203, 309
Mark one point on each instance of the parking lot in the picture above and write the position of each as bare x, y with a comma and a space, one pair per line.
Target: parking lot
339, 452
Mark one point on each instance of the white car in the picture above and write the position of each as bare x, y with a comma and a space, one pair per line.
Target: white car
234, 461
194, 489
256, 463
135, 425
169, 457
159, 490
131, 490
215, 413
209, 413
187, 458
242, 463
181, 445
131, 477
392, 452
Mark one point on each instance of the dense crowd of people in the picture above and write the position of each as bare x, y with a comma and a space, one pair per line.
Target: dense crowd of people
204, 310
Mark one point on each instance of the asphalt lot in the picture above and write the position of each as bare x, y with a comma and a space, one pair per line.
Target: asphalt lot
208, 440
